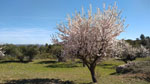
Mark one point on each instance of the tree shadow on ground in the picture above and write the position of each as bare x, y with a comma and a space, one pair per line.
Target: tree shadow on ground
46, 62
108, 66
39, 81
115, 73
62, 65
13, 61
87, 83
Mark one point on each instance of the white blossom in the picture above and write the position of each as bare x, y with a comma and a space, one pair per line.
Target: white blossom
122, 49
90, 37
1, 53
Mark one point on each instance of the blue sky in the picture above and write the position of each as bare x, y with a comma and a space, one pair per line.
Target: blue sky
33, 21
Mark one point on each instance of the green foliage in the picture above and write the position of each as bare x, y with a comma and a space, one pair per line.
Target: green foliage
19, 54
13, 51
57, 51
10, 49
29, 52
144, 41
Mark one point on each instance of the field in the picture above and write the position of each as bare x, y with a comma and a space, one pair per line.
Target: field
46, 71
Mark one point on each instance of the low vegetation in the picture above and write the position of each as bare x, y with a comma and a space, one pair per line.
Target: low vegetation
26, 53
50, 71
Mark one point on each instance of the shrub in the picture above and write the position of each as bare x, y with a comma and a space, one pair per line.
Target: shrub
136, 67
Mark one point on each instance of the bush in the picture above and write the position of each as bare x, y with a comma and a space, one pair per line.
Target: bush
141, 67
134, 67
31, 52
57, 52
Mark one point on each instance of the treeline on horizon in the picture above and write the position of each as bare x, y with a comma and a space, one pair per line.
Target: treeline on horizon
26, 53
142, 40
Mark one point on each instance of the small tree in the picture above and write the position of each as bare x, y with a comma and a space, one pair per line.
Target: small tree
31, 52
19, 54
13, 51
89, 37
56, 50
125, 51
10, 49
42, 49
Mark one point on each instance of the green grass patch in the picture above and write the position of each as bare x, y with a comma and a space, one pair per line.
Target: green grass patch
50, 70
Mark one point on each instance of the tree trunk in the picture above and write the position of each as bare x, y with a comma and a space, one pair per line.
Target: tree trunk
92, 70
83, 64
30, 59
21, 60
125, 61
61, 59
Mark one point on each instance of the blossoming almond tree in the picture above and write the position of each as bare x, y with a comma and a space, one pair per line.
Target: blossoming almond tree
88, 37
143, 52
125, 51
1, 53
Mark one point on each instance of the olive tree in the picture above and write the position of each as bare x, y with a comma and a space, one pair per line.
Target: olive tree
57, 52
89, 37
31, 52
